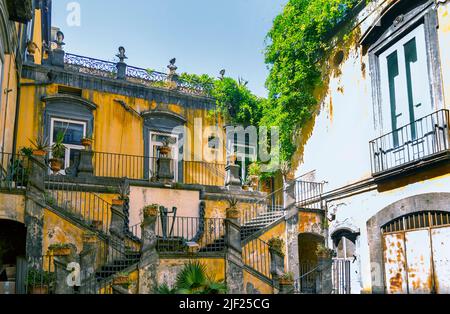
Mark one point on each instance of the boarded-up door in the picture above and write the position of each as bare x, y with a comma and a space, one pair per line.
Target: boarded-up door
417, 254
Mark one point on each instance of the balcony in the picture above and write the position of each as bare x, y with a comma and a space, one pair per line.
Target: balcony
108, 69
134, 167
423, 142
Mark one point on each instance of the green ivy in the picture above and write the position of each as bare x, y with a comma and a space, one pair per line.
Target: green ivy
298, 38
234, 101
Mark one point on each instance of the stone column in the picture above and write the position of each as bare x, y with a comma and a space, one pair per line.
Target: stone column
292, 219
148, 264
165, 171
276, 267
34, 209
88, 263
234, 264
116, 230
85, 166
233, 174
67, 275
289, 194
121, 70
324, 278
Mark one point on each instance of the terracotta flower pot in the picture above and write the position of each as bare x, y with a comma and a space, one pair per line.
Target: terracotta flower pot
150, 211
10, 272
55, 165
165, 150
62, 251
39, 153
233, 213
39, 290
118, 202
86, 142
31, 48
97, 224
120, 280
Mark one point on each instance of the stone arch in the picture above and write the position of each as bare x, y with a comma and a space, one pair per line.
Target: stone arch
414, 204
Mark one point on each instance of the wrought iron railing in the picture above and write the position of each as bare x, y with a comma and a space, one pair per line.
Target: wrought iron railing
150, 78
424, 138
73, 199
190, 235
256, 255
308, 194
13, 171
144, 168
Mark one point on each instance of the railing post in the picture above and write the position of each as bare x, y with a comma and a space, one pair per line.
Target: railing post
116, 228
289, 192
57, 56
85, 166
165, 171
234, 263
34, 208
232, 180
66, 277
148, 265
121, 65
276, 267
88, 263
324, 283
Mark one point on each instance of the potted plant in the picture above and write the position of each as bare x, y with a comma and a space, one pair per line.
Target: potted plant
60, 249
150, 210
167, 146
232, 159
58, 152
323, 252
287, 279
276, 244
39, 281
41, 146
87, 141
122, 279
254, 171
232, 210
97, 224
31, 47
124, 191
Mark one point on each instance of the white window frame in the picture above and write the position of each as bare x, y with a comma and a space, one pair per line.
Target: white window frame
69, 147
174, 156
401, 90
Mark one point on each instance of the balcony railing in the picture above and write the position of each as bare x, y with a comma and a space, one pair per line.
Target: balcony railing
190, 235
256, 255
417, 141
149, 78
309, 194
145, 168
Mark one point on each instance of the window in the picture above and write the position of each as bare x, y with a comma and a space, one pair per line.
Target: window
405, 84
158, 140
74, 132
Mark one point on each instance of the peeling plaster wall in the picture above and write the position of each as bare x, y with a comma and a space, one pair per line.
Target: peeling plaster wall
254, 285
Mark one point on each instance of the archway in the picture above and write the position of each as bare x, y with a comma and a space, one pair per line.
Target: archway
308, 260
12, 256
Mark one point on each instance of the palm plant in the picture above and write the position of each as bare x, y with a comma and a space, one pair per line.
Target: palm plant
194, 279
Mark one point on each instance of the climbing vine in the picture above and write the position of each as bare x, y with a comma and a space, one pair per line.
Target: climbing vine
298, 38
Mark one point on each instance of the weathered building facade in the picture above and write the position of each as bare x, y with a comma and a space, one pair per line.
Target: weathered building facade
381, 141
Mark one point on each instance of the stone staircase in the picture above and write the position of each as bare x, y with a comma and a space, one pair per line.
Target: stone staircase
117, 265
247, 230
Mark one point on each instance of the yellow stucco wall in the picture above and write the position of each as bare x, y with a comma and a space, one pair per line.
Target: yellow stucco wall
256, 283
8, 100
12, 207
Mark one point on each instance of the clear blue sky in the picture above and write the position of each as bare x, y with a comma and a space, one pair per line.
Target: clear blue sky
204, 35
